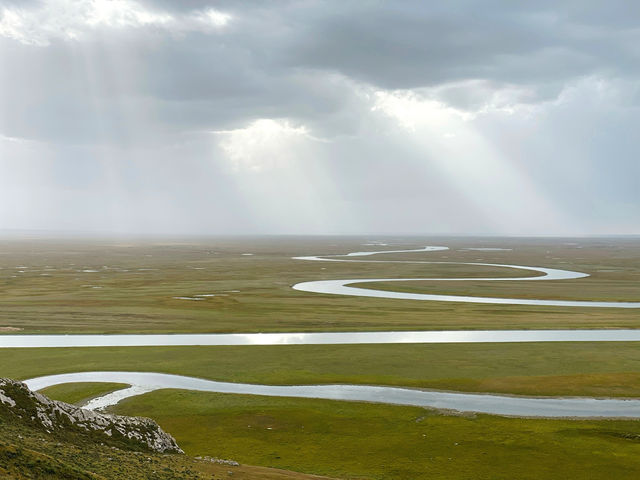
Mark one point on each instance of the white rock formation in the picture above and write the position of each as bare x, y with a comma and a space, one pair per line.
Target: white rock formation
16, 399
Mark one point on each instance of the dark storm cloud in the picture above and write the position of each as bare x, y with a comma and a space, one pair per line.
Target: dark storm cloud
417, 44
273, 59
260, 64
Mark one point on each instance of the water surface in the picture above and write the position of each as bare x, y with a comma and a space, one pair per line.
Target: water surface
319, 338
342, 286
142, 382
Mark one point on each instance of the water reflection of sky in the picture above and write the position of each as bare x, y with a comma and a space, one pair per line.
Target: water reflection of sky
320, 338
343, 286
142, 382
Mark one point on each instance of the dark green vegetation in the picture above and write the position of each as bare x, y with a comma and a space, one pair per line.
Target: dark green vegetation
79, 393
28, 453
110, 287
18, 463
56, 448
361, 440
598, 368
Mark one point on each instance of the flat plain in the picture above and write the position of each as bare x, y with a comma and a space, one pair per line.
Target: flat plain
145, 287
244, 285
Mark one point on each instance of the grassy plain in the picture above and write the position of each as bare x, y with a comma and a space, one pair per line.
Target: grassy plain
79, 393
94, 286
135, 287
363, 440
598, 368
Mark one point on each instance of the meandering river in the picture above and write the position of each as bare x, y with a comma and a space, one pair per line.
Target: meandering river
342, 286
143, 382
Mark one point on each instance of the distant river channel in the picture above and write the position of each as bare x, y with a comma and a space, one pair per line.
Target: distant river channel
343, 286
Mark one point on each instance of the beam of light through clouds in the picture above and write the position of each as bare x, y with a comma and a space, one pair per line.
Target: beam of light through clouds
200, 117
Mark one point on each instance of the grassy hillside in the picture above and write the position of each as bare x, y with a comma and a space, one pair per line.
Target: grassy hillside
31, 453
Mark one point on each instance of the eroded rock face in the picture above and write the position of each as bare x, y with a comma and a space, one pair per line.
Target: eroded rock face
17, 400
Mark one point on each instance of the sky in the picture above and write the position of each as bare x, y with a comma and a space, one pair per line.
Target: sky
320, 117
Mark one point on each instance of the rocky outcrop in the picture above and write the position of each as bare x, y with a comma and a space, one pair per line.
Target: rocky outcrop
16, 400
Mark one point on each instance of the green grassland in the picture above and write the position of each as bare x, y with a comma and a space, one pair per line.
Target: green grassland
131, 287
79, 393
592, 369
363, 440
110, 287
30, 453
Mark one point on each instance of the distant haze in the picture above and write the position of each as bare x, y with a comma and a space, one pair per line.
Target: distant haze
320, 117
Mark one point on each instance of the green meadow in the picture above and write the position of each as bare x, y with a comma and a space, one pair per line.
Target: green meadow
136, 287
79, 393
363, 440
107, 287
590, 368
28, 453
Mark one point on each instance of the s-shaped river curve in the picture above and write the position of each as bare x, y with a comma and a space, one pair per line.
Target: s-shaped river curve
143, 382
342, 286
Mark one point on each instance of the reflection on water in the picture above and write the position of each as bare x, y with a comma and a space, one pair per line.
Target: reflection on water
341, 287
143, 382
319, 338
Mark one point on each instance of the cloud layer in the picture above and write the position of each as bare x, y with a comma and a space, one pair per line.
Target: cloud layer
320, 117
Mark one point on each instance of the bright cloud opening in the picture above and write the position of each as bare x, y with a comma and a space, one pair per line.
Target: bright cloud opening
410, 110
263, 145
